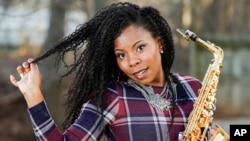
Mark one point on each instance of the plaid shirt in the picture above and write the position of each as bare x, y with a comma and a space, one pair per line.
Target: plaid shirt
127, 117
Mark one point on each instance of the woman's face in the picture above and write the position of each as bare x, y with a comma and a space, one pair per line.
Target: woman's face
138, 56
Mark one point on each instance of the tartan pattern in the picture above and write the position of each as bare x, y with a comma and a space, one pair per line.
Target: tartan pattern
127, 116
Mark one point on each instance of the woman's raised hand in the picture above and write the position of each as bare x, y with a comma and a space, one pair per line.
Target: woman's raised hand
30, 82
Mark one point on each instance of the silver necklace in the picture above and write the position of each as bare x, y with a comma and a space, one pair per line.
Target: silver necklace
156, 100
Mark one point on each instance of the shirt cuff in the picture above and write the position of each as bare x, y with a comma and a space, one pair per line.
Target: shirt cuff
39, 113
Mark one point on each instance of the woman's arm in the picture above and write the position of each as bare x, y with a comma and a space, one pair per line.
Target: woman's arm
86, 127
89, 126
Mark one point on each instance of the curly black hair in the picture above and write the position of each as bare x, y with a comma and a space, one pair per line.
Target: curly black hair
96, 67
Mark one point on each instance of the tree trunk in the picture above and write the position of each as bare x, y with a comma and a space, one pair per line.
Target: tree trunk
52, 89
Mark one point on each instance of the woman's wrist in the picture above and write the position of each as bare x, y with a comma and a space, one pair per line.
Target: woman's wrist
34, 98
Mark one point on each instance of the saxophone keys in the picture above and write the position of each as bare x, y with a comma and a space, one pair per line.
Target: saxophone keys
218, 72
205, 113
211, 98
210, 106
211, 113
212, 90
202, 122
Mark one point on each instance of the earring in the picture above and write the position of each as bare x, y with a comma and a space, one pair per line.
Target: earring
161, 51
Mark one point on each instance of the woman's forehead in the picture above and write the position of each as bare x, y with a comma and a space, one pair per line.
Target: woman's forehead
131, 35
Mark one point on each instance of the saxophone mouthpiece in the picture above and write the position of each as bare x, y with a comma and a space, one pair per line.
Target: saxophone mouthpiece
187, 34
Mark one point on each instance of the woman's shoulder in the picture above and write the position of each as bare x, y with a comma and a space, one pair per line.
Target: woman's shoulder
121, 89
114, 86
184, 78
188, 85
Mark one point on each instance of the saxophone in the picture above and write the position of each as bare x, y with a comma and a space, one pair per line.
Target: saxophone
200, 118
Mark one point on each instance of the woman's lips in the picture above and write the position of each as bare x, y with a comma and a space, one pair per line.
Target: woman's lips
140, 74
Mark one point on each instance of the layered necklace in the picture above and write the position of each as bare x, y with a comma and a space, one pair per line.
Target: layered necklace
156, 100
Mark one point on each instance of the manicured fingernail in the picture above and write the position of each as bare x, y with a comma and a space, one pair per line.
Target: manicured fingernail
30, 60
25, 64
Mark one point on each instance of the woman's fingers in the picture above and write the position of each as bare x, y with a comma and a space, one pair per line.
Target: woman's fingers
20, 71
30, 60
26, 66
13, 80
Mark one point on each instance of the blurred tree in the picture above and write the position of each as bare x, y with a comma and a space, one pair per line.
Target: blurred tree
91, 6
6, 3
51, 88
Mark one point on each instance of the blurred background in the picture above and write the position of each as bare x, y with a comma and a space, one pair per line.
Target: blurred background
29, 27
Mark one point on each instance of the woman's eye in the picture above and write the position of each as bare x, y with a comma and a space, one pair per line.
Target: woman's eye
140, 48
120, 55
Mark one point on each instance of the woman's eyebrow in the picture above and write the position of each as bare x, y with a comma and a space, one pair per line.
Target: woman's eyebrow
137, 43
134, 45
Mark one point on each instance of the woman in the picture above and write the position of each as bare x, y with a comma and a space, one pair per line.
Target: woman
123, 88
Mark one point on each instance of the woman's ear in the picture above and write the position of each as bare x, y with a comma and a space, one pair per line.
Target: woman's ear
160, 45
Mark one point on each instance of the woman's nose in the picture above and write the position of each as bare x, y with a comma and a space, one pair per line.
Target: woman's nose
133, 61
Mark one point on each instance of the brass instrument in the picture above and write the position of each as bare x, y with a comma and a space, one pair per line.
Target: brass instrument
200, 119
